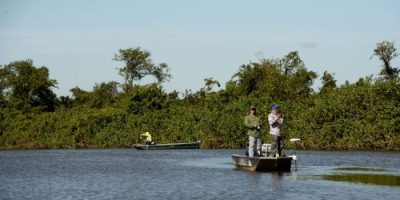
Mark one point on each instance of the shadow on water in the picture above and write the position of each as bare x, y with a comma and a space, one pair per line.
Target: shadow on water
375, 179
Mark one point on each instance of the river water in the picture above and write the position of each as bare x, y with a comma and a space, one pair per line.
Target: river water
193, 174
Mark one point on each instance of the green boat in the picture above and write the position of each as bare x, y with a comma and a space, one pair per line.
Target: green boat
262, 164
190, 145
266, 162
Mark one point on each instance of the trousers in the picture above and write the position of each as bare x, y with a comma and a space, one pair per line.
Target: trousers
276, 145
254, 145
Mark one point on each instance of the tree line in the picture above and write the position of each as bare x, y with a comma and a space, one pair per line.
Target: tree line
364, 115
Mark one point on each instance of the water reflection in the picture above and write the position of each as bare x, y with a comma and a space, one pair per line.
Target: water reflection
218, 162
360, 169
277, 184
277, 176
376, 179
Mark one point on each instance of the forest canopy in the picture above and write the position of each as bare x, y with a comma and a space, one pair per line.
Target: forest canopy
364, 115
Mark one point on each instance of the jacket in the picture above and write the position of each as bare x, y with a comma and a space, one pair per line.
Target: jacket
251, 122
274, 124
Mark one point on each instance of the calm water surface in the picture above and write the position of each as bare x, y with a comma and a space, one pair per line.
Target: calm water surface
192, 174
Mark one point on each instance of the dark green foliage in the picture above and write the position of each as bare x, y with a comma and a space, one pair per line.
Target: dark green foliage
140, 99
356, 116
328, 83
364, 115
26, 87
103, 95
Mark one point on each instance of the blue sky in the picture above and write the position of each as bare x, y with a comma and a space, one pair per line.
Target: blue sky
77, 39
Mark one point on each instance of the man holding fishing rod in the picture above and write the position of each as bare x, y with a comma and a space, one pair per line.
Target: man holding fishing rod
253, 125
275, 120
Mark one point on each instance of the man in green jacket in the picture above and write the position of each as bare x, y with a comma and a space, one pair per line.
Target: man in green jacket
253, 125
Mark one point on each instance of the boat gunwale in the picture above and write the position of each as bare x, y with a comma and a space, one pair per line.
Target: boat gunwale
192, 145
259, 163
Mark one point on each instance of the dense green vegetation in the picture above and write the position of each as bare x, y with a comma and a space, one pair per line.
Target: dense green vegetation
364, 115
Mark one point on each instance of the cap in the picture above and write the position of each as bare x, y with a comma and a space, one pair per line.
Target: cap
252, 107
275, 106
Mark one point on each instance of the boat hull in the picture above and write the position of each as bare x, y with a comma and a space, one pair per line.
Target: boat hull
194, 145
262, 164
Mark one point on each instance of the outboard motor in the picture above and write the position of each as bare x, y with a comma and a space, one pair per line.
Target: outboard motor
266, 150
296, 141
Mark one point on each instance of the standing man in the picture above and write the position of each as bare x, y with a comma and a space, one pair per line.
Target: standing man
275, 120
253, 125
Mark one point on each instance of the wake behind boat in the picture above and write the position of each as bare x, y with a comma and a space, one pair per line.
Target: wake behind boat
190, 145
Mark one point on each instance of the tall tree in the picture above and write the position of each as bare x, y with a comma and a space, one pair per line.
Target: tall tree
209, 84
161, 72
24, 86
386, 52
328, 82
138, 64
292, 63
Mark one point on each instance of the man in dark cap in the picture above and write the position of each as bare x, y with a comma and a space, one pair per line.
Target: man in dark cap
253, 125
